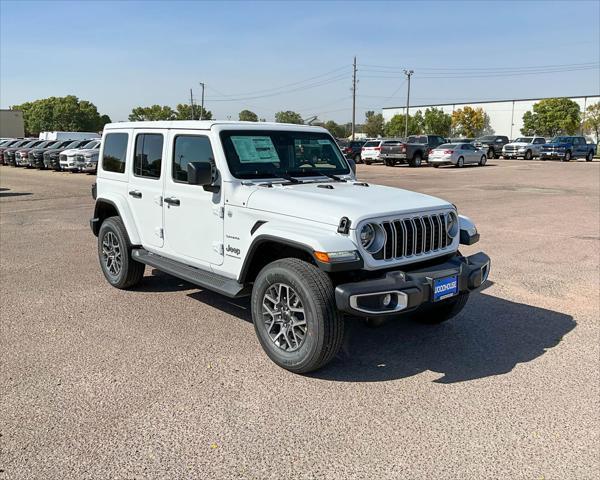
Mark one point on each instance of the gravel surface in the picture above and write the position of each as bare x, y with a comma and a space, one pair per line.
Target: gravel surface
168, 381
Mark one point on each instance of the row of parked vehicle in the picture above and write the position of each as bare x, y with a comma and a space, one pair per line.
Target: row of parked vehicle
438, 150
63, 154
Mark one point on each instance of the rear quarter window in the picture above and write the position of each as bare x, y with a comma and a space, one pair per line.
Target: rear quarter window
115, 152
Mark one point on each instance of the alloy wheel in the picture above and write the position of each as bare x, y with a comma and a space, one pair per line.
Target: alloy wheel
111, 254
284, 317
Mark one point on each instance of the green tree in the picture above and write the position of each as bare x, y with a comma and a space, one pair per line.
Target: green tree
61, 113
289, 117
154, 112
397, 125
248, 116
338, 131
552, 116
469, 121
184, 111
436, 122
592, 119
374, 124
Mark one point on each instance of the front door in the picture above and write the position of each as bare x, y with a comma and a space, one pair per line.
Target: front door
144, 192
193, 216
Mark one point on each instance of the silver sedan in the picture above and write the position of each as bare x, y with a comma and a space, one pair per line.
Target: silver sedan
457, 154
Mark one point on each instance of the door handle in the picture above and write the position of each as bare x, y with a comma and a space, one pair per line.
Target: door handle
172, 201
135, 194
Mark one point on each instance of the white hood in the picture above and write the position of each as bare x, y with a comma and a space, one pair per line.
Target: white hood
517, 144
311, 201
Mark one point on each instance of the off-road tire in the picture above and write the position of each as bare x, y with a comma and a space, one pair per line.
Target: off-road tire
131, 272
325, 325
442, 311
528, 155
416, 160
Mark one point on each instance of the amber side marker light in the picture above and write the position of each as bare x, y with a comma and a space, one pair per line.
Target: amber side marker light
334, 257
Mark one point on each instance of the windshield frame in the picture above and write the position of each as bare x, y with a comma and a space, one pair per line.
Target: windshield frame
271, 172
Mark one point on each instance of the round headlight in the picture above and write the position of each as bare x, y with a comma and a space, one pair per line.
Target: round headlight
367, 235
372, 237
451, 224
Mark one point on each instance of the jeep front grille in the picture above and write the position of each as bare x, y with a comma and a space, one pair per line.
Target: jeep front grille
412, 236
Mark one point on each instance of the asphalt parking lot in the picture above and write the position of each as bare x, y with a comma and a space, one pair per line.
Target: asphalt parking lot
168, 381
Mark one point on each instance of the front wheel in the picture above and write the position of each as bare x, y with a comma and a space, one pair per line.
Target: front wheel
114, 253
483, 161
567, 157
528, 155
295, 315
367, 162
442, 311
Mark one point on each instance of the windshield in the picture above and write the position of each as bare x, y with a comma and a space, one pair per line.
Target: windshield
524, 140
91, 145
270, 153
417, 139
486, 139
372, 144
560, 140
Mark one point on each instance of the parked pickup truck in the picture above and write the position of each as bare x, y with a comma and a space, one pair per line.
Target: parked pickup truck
491, 144
566, 148
526, 147
413, 151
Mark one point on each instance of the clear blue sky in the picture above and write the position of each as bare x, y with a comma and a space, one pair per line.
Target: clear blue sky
124, 54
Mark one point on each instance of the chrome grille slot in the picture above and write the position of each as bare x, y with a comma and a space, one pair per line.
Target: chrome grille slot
413, 236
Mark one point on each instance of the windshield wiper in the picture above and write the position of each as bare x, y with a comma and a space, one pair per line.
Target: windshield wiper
316, 172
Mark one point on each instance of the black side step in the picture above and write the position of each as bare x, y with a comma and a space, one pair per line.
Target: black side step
202, 278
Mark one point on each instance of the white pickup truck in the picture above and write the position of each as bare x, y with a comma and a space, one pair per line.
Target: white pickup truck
274, 211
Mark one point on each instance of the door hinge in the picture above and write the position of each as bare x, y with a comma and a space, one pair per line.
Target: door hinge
218, 247
219, 211
159, 232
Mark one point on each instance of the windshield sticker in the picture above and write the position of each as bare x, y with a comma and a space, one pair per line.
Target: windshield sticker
255, 149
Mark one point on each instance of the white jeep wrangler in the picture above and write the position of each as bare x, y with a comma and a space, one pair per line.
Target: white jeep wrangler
274, 211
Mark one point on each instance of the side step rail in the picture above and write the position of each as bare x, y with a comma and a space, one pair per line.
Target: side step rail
202, 278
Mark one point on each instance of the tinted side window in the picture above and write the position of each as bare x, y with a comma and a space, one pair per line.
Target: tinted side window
115, 150
190, 148
147, 158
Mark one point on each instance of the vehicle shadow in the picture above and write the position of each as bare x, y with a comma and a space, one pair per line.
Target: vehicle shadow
5, 193
490, 337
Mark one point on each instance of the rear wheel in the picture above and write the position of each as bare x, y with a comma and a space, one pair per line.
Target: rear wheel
357, 158
528, 155
416, 160
295, 316
442, 311
490, 153
460, 162
483, 161
114, 253
590, 156
367, 162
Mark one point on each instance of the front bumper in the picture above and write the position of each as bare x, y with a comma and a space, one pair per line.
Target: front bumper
410, 289
552, 154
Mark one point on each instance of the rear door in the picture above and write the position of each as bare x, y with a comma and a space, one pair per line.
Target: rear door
145, 189
193, 216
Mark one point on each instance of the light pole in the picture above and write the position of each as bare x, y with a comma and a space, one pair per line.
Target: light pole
408, 74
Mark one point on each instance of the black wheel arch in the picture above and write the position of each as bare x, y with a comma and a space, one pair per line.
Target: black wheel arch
102, 210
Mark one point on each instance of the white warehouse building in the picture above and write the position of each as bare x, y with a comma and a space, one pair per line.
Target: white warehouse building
506, 116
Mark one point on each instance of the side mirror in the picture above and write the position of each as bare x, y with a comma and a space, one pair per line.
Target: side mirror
352, 164
201, 173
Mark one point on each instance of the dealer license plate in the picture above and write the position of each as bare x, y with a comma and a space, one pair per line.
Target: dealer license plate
445, 287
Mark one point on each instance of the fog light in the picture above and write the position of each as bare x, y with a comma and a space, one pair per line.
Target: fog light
386, 300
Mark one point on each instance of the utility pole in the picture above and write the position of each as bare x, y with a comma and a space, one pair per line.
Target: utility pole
354, 98
408, 74
191, 104
202, 103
